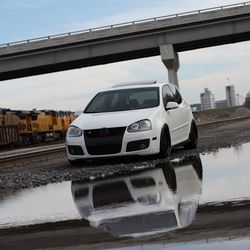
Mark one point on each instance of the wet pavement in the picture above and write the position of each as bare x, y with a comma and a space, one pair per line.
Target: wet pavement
197, 202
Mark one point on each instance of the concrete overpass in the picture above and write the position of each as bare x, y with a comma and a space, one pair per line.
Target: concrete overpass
166, 35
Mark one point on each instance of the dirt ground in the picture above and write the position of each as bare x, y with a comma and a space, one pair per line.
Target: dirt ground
37, 171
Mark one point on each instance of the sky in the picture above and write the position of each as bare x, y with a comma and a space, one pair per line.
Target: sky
213, 67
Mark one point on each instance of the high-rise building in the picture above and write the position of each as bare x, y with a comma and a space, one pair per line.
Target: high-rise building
240, 99
207, 99
230, 95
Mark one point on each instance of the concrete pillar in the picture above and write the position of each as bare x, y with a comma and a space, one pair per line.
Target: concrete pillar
171, 60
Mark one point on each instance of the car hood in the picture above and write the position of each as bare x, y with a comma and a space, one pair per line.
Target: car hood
112, 119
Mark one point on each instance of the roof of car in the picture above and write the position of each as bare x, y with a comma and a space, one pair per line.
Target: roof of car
131, 85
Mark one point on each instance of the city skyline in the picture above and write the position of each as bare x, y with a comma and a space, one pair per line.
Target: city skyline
243, 94
208, 100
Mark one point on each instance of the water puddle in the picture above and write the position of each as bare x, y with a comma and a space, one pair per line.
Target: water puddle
231, 244
39, 205
207, 197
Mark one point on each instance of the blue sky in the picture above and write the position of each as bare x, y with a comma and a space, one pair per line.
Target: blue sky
23, 19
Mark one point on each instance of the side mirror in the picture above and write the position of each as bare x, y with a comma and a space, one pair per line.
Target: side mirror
172, 105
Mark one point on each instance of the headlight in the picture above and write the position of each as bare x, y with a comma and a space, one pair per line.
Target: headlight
74, 132
150, 199
142, 125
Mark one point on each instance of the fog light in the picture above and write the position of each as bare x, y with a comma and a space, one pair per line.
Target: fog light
138, 145
142, 146
75, 150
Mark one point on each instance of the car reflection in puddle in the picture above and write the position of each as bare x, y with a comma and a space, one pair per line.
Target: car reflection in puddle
147, 203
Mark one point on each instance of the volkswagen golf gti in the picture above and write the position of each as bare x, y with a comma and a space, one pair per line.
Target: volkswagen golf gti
139, 118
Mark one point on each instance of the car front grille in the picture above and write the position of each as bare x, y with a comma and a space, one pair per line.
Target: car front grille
104, 141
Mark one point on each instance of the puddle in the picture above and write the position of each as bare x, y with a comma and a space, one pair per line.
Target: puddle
39, 205
241, 244
226, 175
151, 202
207, 196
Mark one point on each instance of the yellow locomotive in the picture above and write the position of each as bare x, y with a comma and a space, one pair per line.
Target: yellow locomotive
36, 126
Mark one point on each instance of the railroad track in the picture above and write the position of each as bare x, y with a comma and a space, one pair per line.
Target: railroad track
31, 153
45, 150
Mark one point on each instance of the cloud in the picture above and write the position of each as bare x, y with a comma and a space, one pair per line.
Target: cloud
144, 10
73, 89
211, 67
218, 55
216, 82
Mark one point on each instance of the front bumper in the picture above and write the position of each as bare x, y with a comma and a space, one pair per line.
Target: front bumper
137, 143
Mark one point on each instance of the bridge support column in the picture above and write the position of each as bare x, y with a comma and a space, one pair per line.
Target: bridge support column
171, 60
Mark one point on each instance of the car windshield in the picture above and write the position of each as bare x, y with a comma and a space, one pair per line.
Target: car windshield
124, 99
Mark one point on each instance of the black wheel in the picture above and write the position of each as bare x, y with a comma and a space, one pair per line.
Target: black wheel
169, 174
165, 143
197, 165
193, 138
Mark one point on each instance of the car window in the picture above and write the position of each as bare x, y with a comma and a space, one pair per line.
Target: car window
177, 96
124, 99
167, 95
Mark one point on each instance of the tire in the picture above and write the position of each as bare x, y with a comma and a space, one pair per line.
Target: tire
165, 144
169, 175
193, 138
197, 165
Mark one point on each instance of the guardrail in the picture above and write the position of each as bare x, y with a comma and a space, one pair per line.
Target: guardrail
107, 27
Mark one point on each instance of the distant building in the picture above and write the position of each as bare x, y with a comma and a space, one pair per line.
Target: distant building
195, 107
230, 95
207, 99
221, 104
247, 100
240, 100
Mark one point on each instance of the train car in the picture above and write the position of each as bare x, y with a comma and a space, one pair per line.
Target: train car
36, 126
9, 134
53, 125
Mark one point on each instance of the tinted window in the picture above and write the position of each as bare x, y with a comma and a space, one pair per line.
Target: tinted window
167, 95
124, 99
111, 194
177, 96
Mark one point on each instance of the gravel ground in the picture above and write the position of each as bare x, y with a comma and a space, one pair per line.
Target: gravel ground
42, 170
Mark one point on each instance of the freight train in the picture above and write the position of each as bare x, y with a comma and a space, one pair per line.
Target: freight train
19, 127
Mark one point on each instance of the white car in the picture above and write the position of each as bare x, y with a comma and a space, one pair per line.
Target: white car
146, 203
141, 118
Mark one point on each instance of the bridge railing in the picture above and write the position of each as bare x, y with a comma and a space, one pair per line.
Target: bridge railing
107, 27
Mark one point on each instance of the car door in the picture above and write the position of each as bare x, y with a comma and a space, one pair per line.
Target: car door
182, 116
171, 116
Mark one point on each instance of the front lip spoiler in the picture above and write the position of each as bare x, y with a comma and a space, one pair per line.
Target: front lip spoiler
117, 158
